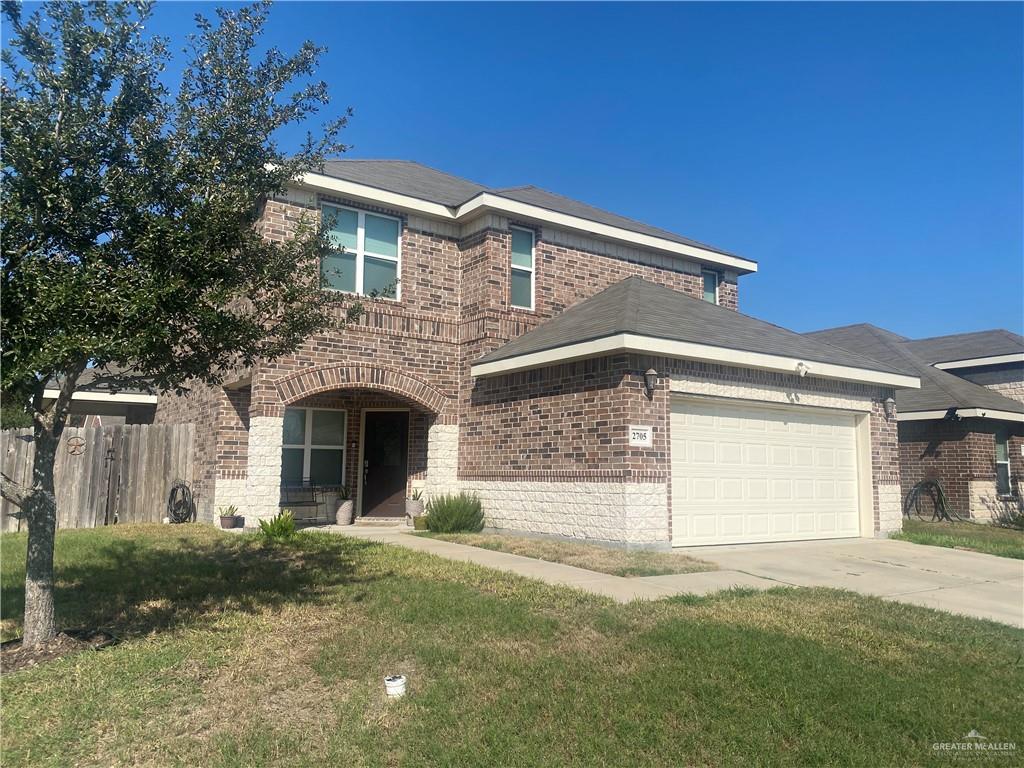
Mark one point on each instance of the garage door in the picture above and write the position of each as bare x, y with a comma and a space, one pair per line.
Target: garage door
749, 473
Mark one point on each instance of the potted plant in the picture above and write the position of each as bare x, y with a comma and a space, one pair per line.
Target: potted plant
414, 505
346, 507
420, 523
229, 517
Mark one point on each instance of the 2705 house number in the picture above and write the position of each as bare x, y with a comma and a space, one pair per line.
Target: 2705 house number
641, 437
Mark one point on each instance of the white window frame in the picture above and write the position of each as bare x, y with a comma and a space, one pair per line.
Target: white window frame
1009, 479
307, 447
362, 253
531, 270
718, 283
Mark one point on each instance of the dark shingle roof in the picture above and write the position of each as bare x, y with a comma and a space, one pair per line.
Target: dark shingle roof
939, 390
405, 177
637, 306
560, 204
967, 346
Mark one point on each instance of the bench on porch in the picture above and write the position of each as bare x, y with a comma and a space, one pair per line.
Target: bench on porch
310, 504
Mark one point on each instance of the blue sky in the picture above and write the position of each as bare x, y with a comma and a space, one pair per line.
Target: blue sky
868, 156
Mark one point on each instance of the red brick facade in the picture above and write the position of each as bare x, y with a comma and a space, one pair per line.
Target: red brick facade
956, 453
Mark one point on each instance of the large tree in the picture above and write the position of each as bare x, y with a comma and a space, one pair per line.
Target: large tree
129, 216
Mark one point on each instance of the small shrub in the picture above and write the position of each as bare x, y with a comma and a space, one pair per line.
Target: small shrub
417, 494
231, 511
452, 514
280, 527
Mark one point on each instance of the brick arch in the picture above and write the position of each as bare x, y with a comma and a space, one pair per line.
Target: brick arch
326, 378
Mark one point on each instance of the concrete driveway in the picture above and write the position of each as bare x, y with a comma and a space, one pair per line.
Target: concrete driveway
983, 586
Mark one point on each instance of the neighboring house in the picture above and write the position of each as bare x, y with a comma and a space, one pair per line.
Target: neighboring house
95, 403
585, 374
967, 436
994, 359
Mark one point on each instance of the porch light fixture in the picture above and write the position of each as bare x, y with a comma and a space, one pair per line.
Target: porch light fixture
650, 381
890, 407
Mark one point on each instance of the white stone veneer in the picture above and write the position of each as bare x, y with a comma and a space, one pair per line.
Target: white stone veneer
442, 459
890, 510
230, 491
263, 487
627, 513
703, 385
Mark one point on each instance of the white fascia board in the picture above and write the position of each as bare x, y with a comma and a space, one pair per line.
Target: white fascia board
607, 231
485, 201
629, 342
966, 413
1015, 357
104, 397
373, 195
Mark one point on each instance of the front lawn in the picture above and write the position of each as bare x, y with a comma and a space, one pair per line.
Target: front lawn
237, 654
977, 537
593, 557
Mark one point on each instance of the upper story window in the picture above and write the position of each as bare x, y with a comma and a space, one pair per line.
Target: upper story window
711, 279
522, 269
1003, 461
313, 447
367, 259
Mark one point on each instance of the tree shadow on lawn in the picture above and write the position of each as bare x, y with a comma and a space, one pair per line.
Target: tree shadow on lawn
135, 586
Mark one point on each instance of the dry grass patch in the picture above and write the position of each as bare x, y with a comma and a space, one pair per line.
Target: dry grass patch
593, 557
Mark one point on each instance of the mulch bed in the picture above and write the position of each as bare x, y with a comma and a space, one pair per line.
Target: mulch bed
13, 657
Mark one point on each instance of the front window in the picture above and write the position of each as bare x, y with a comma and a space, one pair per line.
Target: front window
522, 269
313, 447
366, 255
1003, 462
710, 286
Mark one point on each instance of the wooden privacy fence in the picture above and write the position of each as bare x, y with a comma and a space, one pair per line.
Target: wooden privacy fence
103, 475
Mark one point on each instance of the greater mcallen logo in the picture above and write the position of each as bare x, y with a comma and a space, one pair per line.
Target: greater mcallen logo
976, 743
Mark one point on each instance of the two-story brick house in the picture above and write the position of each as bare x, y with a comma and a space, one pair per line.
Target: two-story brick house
585, 374
964, 427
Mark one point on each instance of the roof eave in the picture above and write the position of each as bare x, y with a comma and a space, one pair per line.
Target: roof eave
978, 362
967, 413
486, 201
631, 342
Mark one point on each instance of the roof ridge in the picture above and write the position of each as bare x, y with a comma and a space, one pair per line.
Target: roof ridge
1005, 331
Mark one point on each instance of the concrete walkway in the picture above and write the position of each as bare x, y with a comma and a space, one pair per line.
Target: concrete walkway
967, 583
615, 587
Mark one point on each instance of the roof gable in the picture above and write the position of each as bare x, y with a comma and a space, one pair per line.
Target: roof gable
636, 306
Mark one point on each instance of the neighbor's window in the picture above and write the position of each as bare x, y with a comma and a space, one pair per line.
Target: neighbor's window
710, 286
366, 256
313, 447
522, 268
1003, 461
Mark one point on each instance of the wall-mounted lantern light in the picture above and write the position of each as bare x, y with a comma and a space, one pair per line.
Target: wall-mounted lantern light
650, 381
890, 407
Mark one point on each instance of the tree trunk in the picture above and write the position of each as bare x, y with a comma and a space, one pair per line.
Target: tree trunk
41, 510
40, 625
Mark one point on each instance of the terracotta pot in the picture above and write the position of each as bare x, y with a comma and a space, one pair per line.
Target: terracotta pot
346, 511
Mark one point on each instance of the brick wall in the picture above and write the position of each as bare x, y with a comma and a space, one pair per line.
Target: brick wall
956, 453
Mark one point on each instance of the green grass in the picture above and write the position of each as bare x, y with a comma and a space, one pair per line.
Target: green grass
593, 557
977, 537
240, 654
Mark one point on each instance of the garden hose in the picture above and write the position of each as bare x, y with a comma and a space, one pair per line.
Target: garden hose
180, 505
933, 490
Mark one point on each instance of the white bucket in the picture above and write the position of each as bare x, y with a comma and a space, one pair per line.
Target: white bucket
394, 685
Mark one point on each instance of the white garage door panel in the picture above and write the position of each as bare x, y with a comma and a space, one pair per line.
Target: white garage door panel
743, 473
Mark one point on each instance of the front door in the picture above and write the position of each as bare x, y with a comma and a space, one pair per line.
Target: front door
385, 462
